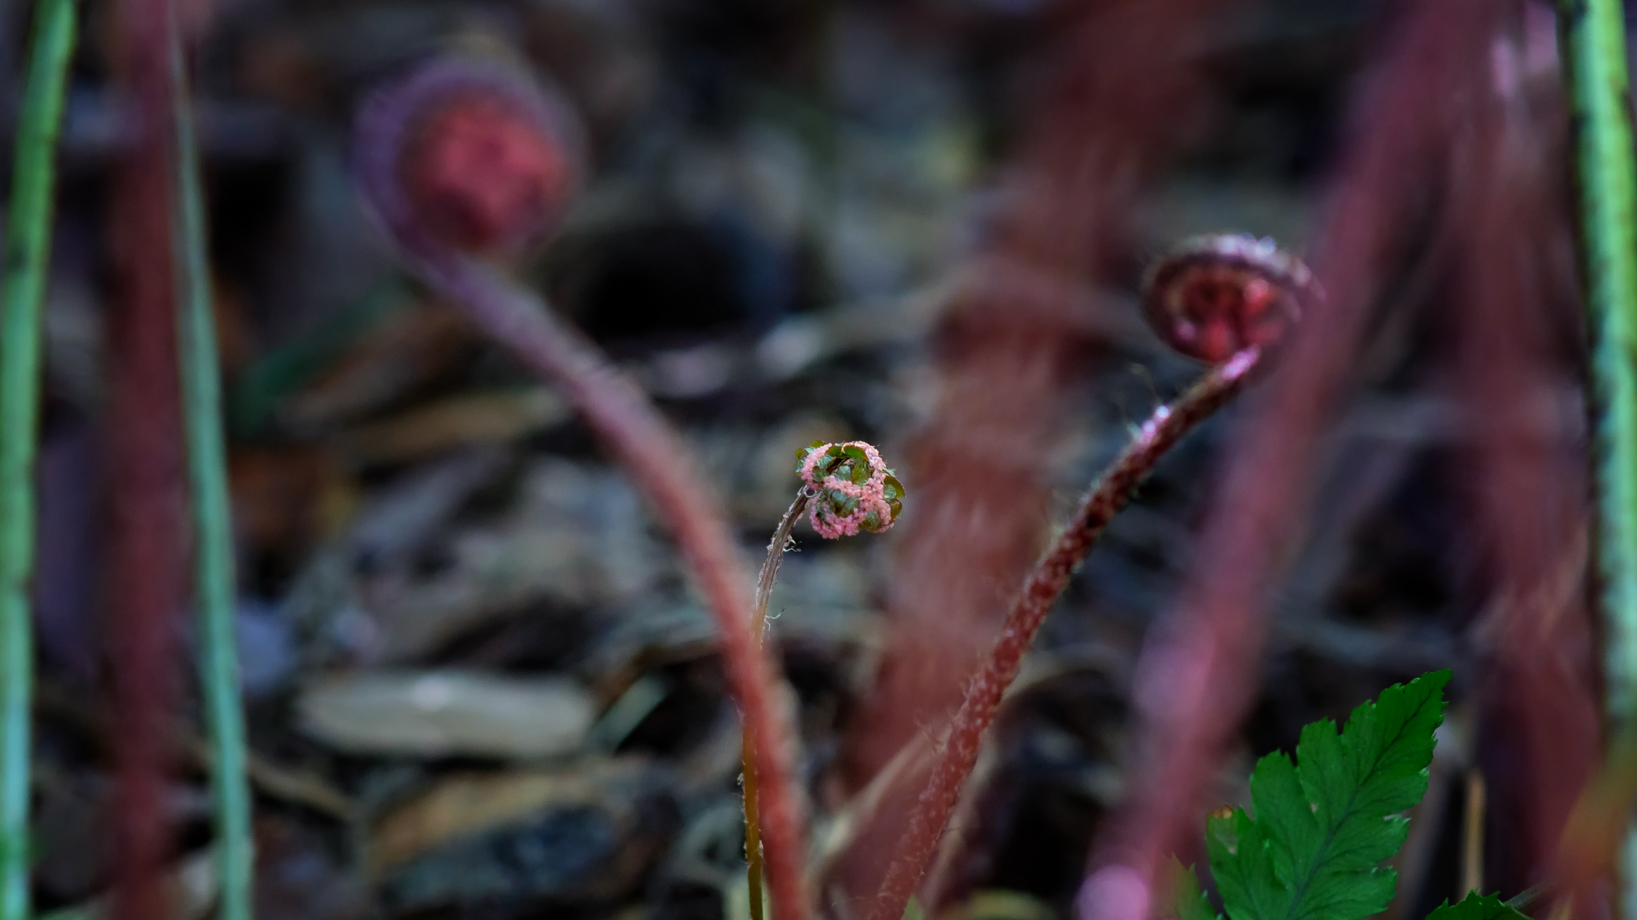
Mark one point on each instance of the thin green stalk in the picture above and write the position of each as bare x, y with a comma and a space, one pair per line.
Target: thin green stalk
752, 793
213, 532
22, 293
1594, 44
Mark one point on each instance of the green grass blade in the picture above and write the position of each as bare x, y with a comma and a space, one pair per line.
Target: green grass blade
22, 293
1594, 56
213, 534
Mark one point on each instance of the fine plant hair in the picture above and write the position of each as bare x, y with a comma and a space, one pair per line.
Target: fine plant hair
644, 443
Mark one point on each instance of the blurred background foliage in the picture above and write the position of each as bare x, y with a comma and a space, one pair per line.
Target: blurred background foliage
478, 683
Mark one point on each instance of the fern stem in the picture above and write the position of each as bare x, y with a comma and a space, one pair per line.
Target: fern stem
1197, 674
22, 293
648, 447
1051, 575
213, 530
656, 457
752, 793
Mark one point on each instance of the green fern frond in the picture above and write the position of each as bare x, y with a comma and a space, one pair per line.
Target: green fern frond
1325, 823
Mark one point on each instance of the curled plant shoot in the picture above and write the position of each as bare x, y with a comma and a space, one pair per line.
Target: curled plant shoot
1217, 295
464, 162
849, 489
1226, 299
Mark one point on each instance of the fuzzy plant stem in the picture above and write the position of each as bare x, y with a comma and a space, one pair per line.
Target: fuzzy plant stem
213, 530
1594, 43
662, 465
651, 451
1051, 575
22, 293
752, 793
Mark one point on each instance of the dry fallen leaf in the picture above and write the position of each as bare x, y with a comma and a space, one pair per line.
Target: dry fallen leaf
442, 713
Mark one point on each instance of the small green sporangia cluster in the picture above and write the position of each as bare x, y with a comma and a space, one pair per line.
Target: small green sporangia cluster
850, 487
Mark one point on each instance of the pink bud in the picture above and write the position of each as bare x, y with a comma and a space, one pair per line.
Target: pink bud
1217, 295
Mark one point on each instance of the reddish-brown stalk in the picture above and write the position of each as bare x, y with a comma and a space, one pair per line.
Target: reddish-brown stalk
1538, 739
1051, 575
1196, 676
1017, 337
645, 444
145, 466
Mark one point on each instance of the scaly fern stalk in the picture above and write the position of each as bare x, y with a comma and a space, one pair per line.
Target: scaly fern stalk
1051, 575
22, 292
1594, 44
213, 532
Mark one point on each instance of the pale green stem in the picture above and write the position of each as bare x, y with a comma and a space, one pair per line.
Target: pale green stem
213, 529
22, 294
1594, 44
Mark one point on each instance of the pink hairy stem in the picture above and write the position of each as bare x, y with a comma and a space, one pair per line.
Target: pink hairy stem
1196, 678
1051, 575
642, 441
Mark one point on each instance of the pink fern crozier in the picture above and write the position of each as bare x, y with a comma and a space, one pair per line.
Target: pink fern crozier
852, 489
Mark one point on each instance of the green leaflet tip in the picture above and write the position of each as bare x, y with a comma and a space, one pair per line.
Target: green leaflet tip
1477, 906
1187, 899
1324, 823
